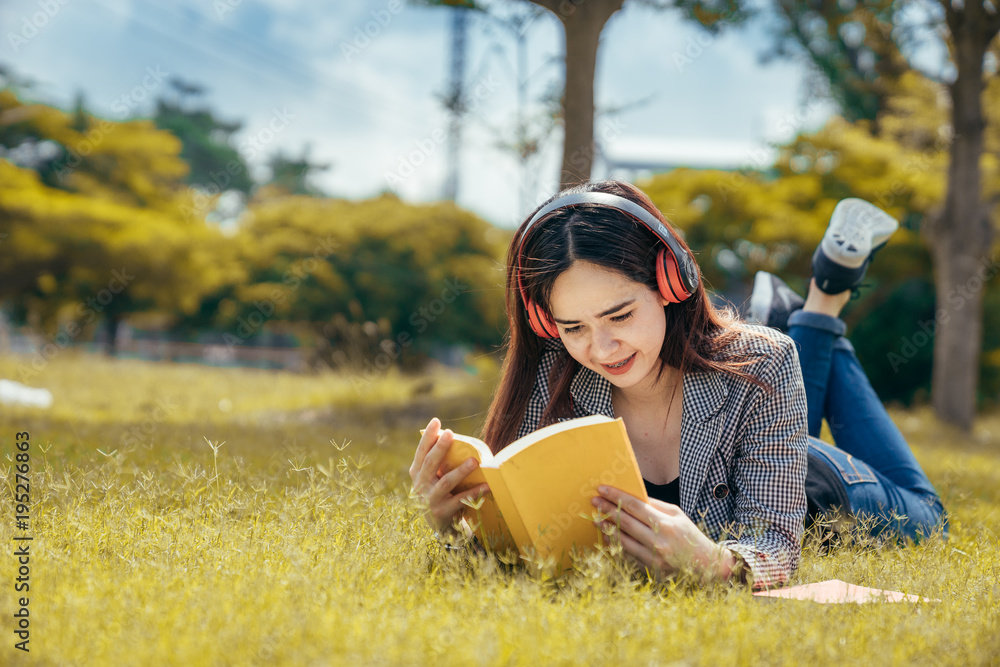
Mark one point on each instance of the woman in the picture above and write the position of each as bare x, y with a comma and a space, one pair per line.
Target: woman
608, 315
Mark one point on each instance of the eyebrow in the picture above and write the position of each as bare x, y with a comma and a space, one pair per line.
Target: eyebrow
605, 313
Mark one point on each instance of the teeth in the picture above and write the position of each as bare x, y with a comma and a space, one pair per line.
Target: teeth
620, 363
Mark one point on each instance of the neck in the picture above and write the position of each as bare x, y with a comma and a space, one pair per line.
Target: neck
651, 394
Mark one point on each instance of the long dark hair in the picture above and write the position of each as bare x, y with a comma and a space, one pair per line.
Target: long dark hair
697, 335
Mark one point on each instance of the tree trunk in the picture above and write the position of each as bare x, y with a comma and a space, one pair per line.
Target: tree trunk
582, 22
961, 234
111, 320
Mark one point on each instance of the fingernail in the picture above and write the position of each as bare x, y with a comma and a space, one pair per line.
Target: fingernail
596, 502
602, 490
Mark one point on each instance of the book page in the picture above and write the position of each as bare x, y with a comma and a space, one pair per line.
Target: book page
543, 433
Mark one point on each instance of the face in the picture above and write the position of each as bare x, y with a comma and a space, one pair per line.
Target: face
605, 318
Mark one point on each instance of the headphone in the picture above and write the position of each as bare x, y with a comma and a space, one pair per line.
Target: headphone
676, 270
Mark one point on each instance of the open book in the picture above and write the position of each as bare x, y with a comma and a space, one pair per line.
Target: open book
541, 486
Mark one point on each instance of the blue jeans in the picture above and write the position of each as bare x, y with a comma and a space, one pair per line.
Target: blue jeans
884, 482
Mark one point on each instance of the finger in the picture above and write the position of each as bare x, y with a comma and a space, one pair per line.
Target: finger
444, 486
427, 440
438, 452
450, 506
638, 529
634, 549
667, 508
626, 501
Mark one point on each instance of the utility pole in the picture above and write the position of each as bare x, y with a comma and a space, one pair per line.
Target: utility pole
455, 100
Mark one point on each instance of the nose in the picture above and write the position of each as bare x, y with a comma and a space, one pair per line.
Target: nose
604, 344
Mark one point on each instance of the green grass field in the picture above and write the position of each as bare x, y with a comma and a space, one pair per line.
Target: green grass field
186, 515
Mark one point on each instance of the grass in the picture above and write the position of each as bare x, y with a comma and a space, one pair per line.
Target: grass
199, 516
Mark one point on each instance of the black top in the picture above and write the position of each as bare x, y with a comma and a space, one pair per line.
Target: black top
825, 490
668, 493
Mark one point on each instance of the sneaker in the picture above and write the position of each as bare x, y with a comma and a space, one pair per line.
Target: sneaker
857, 230
772, 301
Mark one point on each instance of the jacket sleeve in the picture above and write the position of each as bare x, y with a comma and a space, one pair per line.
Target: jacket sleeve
769, 474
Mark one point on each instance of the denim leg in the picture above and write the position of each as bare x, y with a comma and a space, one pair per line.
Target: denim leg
880, 472
861, 426
877, 501
815, 335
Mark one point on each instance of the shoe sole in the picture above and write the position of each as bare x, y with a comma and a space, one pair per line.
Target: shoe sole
761, 297
856, 228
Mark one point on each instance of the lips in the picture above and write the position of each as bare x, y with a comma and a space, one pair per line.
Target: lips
622, 366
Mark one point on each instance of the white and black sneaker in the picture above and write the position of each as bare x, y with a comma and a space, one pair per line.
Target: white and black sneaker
856, 231
772, 301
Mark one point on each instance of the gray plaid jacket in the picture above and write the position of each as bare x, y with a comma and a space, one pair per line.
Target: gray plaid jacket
742, 450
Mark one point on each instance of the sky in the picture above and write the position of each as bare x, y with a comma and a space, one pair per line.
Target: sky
360, 85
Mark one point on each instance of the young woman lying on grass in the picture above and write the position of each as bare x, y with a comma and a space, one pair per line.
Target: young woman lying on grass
608, 315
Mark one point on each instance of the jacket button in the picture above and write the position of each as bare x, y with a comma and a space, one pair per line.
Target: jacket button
720, 491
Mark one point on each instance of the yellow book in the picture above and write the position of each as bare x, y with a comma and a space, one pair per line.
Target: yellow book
541, 485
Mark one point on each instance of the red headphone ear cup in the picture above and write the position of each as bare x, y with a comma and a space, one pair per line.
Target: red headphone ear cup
668, 277
541, 323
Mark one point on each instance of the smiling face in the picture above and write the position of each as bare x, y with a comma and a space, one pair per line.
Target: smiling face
611, 324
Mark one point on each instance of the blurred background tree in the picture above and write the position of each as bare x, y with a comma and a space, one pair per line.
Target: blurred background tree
352, 279
104, 237
207, 146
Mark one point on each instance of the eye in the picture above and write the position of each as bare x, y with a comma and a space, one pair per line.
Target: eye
617, 319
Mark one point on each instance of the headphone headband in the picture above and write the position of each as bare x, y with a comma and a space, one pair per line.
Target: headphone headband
603, 199
676, 271
688, 269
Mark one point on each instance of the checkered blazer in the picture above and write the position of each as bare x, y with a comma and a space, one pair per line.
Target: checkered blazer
742, 450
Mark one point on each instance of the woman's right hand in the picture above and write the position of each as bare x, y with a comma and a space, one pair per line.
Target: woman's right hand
436, 491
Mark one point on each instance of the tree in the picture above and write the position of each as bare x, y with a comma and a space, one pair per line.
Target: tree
206, 141
111, 239
744, 221
291, 176
361, 278
582, 22
960, 230
850, 47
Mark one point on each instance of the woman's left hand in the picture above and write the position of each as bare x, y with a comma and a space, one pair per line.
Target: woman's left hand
661, 537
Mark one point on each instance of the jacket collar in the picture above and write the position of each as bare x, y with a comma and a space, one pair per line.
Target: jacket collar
704, 395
